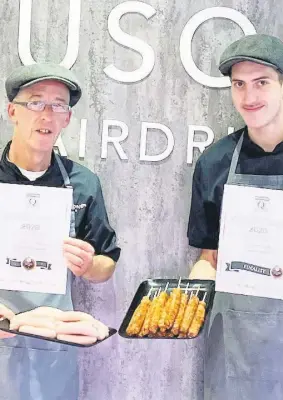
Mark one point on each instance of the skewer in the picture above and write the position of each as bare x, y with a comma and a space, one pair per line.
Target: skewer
140, 324
158, 309
189, 312
146, 323
176, 295
164, 311
187, 287
198, 319
138, 317
180, 315
194, 288
197, 291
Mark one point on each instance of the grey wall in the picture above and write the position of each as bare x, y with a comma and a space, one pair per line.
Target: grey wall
148, 203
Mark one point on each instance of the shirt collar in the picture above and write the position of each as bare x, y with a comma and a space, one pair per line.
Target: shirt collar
254, 150
13, 167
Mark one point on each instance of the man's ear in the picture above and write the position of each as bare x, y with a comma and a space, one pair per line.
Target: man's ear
11, 111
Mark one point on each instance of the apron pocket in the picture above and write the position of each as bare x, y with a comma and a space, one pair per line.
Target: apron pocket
253, 345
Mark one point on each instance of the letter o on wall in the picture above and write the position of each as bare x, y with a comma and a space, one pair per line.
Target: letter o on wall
187, 38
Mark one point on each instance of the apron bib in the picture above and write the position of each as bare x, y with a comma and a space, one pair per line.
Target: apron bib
244, 346
32, 369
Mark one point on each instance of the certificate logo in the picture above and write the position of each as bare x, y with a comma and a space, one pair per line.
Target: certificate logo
32, 199
29, 263
262, 203
276, 272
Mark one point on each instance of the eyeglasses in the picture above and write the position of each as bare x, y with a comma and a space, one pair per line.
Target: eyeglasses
40, 106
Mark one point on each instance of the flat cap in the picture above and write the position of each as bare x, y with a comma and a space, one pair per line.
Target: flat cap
27, 75
259, 48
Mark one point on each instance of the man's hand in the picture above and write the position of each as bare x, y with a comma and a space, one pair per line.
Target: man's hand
6, 313
202, 270
205, 267
79, 255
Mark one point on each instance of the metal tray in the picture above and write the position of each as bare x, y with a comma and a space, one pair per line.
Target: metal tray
155, 284
4, 326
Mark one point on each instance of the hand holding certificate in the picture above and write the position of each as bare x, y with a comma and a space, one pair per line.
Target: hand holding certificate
79, 255
34, 222
250, 256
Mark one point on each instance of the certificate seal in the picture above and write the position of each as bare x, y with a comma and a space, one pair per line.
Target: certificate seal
29, 263
276, 272
32, 201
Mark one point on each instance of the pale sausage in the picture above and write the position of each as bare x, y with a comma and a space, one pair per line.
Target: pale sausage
77, 339
49, 333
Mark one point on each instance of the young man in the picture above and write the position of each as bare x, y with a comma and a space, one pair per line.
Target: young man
244, 351
41, 97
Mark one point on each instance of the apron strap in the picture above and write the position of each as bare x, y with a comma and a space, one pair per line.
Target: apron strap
235, 159
67, 184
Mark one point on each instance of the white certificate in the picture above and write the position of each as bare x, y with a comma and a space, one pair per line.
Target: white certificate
250, 255
34, 222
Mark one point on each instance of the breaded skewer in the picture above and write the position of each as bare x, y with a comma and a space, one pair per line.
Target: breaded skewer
157, 312
179, 318
162, 320
139, 315
145, 328
189, 313
174, 307
198, 319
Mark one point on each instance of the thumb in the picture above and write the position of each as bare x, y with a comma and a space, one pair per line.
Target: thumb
6, 312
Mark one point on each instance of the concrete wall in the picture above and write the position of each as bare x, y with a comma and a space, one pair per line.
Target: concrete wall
148, 202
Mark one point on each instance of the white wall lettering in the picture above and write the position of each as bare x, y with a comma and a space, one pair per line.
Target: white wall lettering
131, 42
116, 140
73, 33
187, 38
60, 146
82, 135
145, 128
199, 145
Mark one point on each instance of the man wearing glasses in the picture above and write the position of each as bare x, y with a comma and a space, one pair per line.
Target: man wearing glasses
41, 97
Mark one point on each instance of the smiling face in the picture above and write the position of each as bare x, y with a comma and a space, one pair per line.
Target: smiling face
39, 130
257, 94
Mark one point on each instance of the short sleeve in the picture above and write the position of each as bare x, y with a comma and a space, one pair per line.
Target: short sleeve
95, 228
203, 227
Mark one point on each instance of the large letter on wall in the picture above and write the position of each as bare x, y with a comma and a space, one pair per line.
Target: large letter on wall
114, 139
73, 33
60, 145
187, 38
146, 126
131, 42
199, 145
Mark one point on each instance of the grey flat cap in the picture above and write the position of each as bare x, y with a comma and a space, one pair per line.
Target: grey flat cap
259, 48
27, 75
